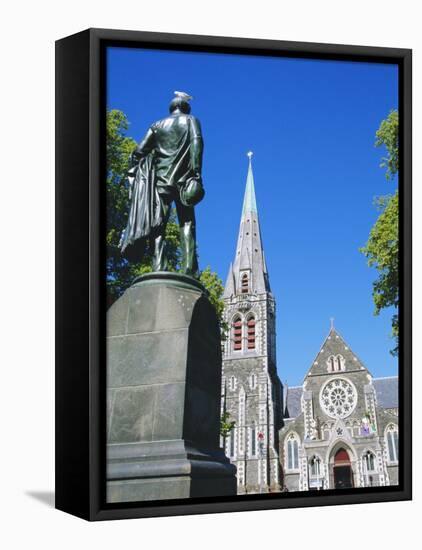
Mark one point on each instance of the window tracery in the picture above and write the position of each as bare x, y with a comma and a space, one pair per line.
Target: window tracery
336, 363
369, 463
338, 398
369, 467
315, 466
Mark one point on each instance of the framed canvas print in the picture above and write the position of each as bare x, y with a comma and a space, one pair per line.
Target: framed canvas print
233, 274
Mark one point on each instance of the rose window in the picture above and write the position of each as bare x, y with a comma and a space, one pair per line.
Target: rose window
338, 398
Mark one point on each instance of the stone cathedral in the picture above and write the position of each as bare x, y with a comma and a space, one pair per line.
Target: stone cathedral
339, 429
341, 426
252, 393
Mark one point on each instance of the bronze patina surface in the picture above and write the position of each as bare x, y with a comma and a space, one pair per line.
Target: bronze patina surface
165, 169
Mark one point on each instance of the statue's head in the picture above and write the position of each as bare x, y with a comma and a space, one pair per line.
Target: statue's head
181, 103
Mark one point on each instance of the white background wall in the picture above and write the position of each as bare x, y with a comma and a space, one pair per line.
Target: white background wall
27, 243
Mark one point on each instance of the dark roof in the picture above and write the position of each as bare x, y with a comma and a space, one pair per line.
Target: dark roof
386, 389
293, 408
387, 392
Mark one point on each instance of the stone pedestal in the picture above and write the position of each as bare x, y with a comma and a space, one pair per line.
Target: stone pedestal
163, 393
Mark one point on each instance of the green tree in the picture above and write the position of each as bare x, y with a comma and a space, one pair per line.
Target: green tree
118, 148
226, 425
382, 248
388, 135
121, 273
215, 287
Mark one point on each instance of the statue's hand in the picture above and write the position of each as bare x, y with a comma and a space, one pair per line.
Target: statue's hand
197, 175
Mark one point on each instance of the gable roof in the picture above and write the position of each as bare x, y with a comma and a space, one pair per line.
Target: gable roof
293, 397
334, 344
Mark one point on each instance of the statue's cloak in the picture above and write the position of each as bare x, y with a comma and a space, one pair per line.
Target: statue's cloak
145, 213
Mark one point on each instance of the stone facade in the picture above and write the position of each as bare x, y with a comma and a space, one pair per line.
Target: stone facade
251, 389
341, 426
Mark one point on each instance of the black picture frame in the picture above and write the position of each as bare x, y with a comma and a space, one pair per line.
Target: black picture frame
80, 280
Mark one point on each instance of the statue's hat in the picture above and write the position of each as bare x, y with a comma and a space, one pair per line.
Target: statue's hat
183, 95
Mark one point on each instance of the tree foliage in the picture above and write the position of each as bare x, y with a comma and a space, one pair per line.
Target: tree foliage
118, 148
382, 248
226, 425
387, 135
120, 273
215, 287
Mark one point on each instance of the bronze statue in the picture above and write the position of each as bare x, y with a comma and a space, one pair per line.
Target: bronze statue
165, 167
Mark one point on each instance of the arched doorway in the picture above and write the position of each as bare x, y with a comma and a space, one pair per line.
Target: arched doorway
342, 470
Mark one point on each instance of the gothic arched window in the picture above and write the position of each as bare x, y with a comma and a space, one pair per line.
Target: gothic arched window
369, 469
251, 332
237, 333
315, 466
336, 363
340, 363
392, 440
292, 452
245, 284
369, 462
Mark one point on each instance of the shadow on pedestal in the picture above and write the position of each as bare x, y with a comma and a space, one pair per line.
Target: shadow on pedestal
164, 385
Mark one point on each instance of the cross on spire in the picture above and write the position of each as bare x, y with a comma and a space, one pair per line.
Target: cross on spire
332, 323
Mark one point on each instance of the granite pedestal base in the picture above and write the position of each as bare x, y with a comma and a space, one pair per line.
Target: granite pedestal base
163, 393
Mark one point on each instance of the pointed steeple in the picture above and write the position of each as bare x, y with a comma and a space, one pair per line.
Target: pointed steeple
249, 261
249, 200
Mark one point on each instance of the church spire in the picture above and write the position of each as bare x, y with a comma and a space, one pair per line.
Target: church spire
249, 356
249, 200
249, 263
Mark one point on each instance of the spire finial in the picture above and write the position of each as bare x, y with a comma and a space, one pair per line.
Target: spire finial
332, 323
250, 155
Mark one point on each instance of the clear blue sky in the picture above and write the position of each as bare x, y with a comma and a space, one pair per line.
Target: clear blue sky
311, 125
